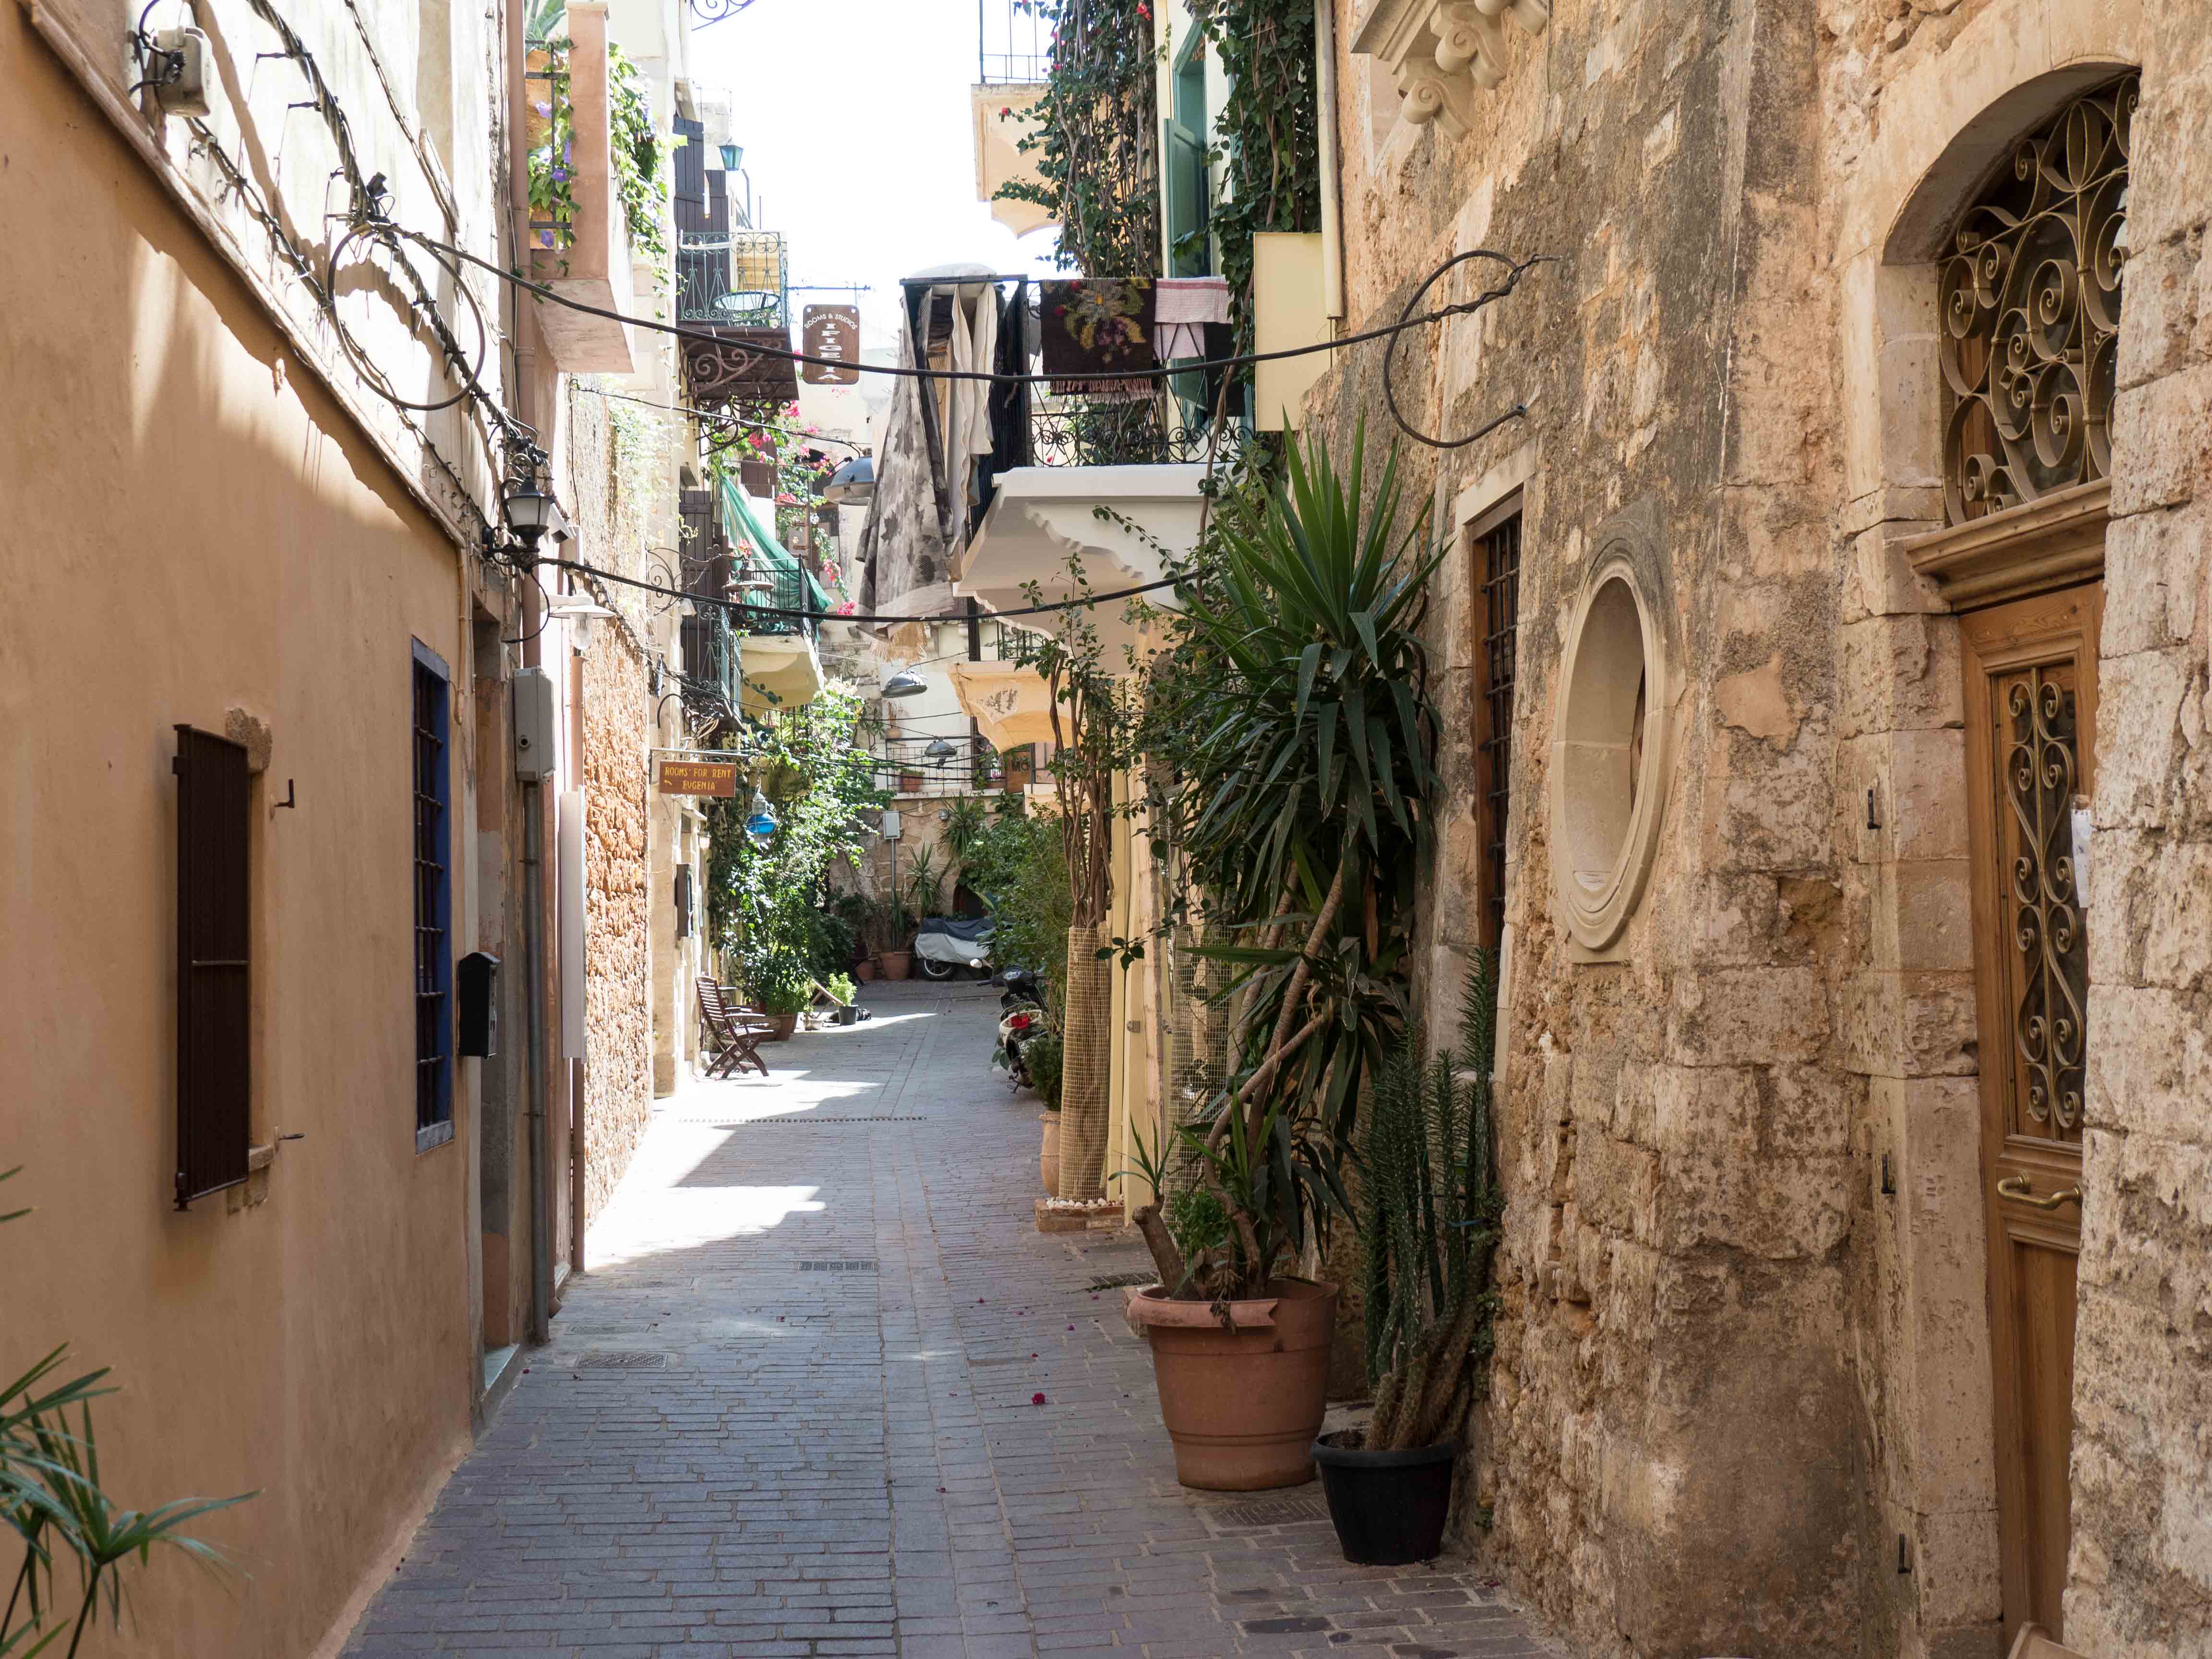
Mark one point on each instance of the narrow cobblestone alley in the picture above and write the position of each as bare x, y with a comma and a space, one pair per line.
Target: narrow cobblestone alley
795, 1408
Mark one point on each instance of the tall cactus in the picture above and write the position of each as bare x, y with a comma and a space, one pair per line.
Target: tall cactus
1429, 1226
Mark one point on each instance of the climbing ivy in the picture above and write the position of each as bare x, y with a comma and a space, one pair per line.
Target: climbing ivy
1096, 137
1268, 134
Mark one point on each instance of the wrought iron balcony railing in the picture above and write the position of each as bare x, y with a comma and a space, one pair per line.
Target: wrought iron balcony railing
1153, 431
710, 662
785, 590
1013, 43
732, 279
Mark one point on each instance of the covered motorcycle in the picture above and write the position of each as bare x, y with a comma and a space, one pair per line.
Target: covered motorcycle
947, 944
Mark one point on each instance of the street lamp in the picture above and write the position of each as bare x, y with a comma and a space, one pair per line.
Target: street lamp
853, 484
905, 683
531, 512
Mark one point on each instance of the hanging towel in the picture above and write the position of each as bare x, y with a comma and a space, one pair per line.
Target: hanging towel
1095, 325
1181, 306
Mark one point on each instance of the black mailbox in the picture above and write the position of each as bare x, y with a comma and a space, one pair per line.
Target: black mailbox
476, 986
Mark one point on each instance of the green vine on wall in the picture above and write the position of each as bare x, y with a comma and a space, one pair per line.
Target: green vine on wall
1096, 138
1268, 134
638, 154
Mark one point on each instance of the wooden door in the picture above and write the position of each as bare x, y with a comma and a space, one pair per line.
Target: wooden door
2031, 687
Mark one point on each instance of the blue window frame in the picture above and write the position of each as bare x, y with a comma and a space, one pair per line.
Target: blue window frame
434, 902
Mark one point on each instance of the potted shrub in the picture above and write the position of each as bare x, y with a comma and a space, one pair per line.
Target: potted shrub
781, 999
1240, 1342
843, 991
1427, 1230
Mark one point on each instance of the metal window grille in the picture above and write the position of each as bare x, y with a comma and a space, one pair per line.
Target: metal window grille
1501, 606
434, 1048
213, 983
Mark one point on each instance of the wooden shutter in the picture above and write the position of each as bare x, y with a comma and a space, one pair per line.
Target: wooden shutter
214, 987
1187, 189
684, 900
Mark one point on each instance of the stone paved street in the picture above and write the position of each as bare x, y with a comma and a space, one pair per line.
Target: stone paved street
792, 1409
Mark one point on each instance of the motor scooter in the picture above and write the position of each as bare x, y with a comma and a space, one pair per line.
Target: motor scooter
1021, 1011
944, 945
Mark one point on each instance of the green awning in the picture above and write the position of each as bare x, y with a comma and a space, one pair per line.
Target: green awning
772, 551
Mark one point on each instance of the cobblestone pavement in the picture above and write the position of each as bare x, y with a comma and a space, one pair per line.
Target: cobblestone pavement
826, 1390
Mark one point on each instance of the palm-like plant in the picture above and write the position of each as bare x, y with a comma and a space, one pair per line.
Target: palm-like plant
1291, 741
51, 1498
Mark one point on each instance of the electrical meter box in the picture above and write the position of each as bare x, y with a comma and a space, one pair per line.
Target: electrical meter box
476, 998
534, 747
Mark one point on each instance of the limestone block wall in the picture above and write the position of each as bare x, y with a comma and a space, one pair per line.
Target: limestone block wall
2141, 1578
1741, 1399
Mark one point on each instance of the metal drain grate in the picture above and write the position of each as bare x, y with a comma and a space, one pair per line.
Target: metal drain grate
803, 1121
620, 1359
852, 1267
1272, 1512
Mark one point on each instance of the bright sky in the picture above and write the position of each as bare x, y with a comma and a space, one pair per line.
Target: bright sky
854, 117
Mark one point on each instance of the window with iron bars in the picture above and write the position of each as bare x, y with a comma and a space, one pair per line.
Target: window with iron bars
1498, 553
434, 965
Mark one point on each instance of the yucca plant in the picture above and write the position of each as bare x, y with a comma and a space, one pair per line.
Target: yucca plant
51, 1498
1429, 1225
1290, 743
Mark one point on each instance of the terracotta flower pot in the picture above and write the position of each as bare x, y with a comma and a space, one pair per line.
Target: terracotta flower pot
897, 964
864, 970
785, 1025
1242, 1405
1048, 1158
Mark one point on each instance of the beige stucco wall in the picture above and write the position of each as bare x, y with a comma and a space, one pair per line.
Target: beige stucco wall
1733, 1374
191, 526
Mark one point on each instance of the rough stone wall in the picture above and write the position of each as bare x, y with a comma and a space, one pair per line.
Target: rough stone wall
1743, 1358
2141, 1581
618, 1080
1676, 1447
620, 463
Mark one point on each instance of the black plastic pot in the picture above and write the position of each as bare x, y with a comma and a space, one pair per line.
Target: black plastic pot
1389, 1507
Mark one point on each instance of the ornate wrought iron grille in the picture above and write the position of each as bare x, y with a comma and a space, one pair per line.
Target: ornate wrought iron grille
1501, 609
1146, 432
2031, 304
2041, 774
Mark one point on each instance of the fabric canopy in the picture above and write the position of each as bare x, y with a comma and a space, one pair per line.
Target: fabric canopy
1008, 702
772, 553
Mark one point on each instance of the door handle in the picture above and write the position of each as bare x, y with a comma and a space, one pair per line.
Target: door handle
2017, 1187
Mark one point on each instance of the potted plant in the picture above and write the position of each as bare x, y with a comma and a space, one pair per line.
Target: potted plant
893, 931
1427, 1230
1240, 1342
843, 991
1041, 1055
782, 990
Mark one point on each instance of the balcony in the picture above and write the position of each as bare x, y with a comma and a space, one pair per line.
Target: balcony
732, 281
581, 249
736, 279
1157, 431
710, 672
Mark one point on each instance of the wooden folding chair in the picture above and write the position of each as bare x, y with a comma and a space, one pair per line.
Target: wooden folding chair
734, 1037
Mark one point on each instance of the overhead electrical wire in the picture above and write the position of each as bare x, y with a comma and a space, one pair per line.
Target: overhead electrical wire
803, 438
1514, 270
748, 608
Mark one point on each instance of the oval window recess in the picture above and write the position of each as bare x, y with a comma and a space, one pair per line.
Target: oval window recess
1609, 758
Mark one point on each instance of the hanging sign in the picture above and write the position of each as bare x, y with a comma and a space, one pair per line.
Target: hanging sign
832, 332
716, 778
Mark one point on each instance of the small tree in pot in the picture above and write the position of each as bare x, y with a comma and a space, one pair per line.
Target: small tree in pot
1428, 1229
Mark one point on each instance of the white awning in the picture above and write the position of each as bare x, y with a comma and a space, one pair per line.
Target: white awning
1043, 515
782, 663
1010, 702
